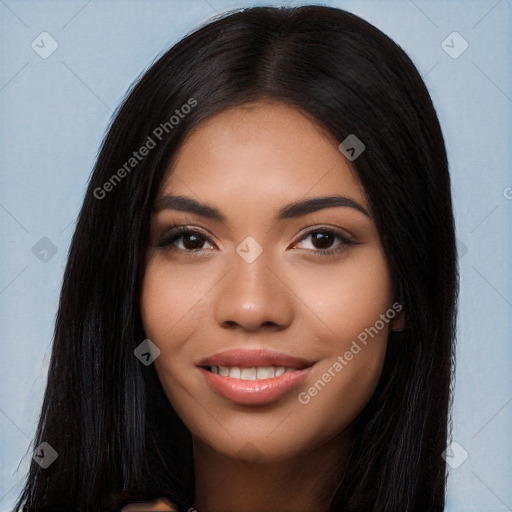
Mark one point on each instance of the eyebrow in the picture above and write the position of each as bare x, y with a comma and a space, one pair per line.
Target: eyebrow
297, 209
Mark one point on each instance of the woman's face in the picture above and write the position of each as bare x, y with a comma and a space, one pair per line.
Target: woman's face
267, 278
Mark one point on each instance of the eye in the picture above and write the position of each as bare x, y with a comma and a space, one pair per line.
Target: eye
325, 241
320, 241
185, 239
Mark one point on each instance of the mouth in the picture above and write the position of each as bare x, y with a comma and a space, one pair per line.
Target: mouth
254, 377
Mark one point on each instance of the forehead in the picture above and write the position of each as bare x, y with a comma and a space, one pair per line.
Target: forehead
265, 150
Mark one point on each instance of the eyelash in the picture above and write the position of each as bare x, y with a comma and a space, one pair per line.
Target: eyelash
177, 232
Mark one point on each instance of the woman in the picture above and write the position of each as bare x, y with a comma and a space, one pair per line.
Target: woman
258, 310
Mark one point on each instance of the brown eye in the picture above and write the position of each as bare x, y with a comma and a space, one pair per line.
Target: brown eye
325, 242
192, 242
185, 239
322, 240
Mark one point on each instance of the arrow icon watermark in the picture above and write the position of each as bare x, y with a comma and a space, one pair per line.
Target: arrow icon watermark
351, 147
249, 249
146, 352
45, 455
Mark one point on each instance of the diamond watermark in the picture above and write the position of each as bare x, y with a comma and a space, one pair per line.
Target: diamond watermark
351, 147
147, 352
44, 45
455, 455
45, 455
454, 45
249, 249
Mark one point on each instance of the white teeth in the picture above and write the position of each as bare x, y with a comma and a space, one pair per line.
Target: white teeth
280, 370
248, 374
265, 372
254, 373
234, 372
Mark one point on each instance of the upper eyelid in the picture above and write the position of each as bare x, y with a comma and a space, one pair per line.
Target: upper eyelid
183, 228
179, 231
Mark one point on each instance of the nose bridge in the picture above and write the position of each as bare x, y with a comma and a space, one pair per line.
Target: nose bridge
251, 295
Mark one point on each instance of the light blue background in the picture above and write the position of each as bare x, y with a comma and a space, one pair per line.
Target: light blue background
54, 113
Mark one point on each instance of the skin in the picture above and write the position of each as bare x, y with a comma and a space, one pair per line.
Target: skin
249, 162
151, 506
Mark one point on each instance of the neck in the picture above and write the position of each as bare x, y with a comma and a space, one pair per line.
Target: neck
305, 483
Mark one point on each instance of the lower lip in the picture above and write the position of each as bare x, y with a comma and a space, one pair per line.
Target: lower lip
255, 392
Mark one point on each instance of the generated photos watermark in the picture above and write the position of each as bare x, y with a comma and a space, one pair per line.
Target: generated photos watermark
156, 136
343, 360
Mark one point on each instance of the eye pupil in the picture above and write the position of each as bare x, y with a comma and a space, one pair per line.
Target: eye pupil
325, 240
196, 242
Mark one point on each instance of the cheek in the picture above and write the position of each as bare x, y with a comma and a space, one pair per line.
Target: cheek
173, 303
338, 393
169, 297
348, 298
353, 311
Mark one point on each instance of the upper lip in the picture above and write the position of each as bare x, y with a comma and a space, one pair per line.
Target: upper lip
244, 358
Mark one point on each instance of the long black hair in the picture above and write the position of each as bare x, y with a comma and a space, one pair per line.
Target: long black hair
105, 413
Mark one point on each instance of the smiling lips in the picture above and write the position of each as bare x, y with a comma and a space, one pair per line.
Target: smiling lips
254, 377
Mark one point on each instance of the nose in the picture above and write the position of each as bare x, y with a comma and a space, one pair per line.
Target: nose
253, 296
